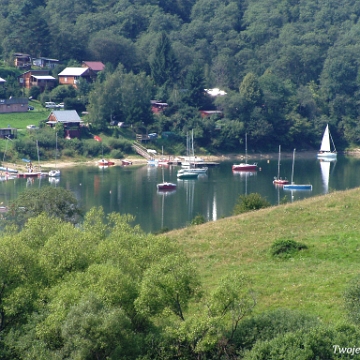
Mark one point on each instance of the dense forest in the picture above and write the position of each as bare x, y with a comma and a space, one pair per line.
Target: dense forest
288, 67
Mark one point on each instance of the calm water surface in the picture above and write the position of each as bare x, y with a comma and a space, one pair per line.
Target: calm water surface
132, 190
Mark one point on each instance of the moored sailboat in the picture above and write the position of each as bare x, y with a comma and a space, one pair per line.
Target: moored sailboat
245, 166
294, 186
279, 180
327, 148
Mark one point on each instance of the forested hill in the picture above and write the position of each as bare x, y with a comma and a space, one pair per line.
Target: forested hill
289, 67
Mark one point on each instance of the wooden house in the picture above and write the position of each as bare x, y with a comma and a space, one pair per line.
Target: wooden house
8, 133
95, 66
40, 78
22, 61
158, 106
71, 75
45, 62
13, 105
208, 113
70, 119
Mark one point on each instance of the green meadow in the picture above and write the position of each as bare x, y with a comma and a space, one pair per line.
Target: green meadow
312, 280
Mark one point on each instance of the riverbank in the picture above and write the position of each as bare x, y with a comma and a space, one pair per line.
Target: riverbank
138, 160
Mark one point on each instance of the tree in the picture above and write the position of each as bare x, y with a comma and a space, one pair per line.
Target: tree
164, 65
55, 202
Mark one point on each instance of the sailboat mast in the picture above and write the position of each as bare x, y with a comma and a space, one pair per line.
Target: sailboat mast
192, 144
246, 148
279, 157
38, 154
293, 166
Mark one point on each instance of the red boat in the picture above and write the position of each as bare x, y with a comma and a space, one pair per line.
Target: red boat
244, 167
166, 186
280, 181
126, 162
104, 162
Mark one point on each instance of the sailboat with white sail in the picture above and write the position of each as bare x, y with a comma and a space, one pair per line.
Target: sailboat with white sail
327, 148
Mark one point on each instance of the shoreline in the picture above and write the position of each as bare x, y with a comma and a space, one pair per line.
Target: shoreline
137, 160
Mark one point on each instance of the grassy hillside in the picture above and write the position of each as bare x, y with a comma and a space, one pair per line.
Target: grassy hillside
313, 280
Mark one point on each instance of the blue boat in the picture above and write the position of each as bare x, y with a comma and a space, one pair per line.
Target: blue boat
297, 187
294, 186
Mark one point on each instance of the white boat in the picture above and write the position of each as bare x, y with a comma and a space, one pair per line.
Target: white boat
327, 148
191, 161
279, 180
187, 175
245, 166
200, 170
55, 172
292, 185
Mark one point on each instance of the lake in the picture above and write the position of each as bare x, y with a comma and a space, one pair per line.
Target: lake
132, 189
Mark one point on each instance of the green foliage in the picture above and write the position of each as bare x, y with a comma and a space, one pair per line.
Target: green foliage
286, 248
352, 297
198, 220
116, 154
55, 202
251, 202
314, 343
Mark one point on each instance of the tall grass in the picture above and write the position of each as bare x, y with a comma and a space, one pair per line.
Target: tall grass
313, 279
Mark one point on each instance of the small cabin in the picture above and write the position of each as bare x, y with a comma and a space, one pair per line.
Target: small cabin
22, 61
70, 119
43, 62
40, 78
71, 75
8, 133
13, 105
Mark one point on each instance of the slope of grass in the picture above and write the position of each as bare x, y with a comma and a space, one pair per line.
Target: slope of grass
313, 280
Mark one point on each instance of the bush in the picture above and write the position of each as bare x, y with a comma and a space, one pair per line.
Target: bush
352, 303
285, 248
116, 154
250, 202
198, 220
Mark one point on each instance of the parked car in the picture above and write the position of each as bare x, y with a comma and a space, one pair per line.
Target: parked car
153, 135
123, 125
61, 105
32, 127
50, 105
30, 107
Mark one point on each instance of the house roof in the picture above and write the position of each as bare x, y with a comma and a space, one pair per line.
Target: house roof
94, 65
46, 59
73, 71
43, 77
14, 101
35, 72
66, 116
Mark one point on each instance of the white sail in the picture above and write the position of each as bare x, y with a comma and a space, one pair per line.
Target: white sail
325, 143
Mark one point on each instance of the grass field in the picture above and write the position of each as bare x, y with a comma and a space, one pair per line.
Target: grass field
313, 281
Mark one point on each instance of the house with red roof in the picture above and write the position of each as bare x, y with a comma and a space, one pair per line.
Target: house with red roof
95, 66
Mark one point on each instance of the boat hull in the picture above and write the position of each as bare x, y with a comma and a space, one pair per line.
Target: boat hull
244, 167
327, 155
280, 182
187, 175
297, 187
54, 173
166, 186
126, 162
